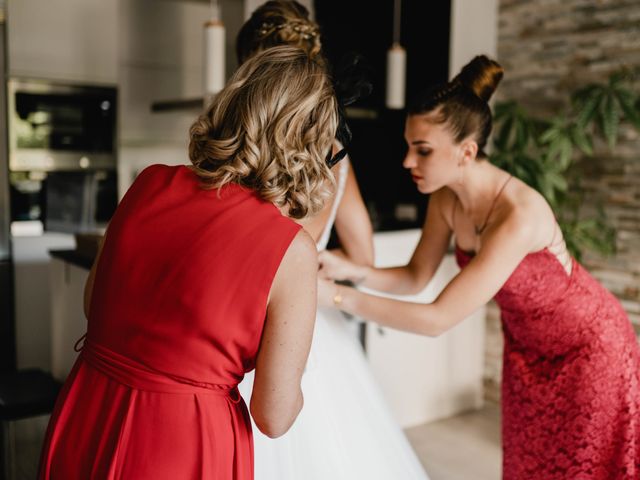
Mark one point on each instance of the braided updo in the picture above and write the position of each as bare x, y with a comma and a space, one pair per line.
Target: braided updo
269, 129
462, 103
278, 22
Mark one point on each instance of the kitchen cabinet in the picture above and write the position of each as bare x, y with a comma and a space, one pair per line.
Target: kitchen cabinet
423, 378
68, 322
32, 292
70, 40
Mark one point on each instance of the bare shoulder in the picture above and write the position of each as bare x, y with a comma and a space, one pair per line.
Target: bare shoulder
527, 216
301, 253
303, 245
299, 264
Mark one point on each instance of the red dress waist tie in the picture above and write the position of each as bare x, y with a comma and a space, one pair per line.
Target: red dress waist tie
138, 376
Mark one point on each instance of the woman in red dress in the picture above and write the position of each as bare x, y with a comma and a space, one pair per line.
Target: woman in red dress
203, 276
571, 373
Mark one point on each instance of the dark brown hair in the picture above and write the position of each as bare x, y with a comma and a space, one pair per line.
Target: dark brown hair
278, 22
462, 103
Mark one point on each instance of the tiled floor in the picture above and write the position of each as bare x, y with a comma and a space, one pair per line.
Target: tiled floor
459, 448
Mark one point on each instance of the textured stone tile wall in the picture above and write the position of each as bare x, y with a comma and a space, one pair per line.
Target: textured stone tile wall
548, 48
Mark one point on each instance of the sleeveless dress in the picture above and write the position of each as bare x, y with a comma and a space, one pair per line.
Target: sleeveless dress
571, 375
345, 430
177, 312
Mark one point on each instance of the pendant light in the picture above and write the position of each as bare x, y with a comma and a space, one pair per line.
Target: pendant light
214, 53
396, 65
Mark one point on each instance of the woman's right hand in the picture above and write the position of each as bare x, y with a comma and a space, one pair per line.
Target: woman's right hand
334, 267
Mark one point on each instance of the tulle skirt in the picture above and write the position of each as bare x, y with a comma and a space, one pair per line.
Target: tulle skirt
345, 430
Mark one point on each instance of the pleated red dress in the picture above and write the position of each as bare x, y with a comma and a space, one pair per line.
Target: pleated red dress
177, 313
571, 376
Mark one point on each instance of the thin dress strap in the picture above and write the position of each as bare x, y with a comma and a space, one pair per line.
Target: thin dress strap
480, 229
322, 242
453, 212
563, 255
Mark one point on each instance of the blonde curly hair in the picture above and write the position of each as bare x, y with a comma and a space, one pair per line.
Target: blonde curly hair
270, 129
278, 22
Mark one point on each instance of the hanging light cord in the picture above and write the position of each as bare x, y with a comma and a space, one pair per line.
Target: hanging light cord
397, 6
215, 10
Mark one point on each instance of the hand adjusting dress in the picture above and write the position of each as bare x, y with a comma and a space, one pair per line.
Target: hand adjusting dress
177, 313
571, 376
345, 430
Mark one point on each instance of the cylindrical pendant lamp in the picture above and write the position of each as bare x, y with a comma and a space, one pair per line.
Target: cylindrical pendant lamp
396, 65
214, 53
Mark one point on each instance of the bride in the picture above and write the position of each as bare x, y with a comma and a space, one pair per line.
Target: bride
345, 430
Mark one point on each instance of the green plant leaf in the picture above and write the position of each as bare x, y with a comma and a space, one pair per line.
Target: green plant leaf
550, 134
626, 101
582, 139
520, 133
503, 132
503, 109
609, 119
560, 145
558, 181
565, 153
588, 104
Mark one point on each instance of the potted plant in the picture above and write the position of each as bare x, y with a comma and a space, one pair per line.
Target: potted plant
541, 151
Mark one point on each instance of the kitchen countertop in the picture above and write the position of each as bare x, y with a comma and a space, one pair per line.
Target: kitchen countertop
408, 239
73, 257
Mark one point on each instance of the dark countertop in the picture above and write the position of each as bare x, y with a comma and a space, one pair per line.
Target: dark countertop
73, 257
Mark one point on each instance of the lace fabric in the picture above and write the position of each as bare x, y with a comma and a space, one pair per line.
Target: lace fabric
571, 375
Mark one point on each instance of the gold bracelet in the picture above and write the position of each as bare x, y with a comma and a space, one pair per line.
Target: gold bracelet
337, 298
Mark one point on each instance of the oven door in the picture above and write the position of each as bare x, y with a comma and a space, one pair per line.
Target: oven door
61, 127
80, 202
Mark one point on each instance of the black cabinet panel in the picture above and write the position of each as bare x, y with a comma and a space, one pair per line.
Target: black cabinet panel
378, 145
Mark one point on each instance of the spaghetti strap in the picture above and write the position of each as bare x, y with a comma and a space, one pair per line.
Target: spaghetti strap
563, 255
480, 229
453, 212
555, 232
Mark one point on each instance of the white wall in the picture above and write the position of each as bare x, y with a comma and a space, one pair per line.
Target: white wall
71, 40
161, 58
474, 31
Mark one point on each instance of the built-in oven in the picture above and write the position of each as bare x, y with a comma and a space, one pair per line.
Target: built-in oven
54, 126
78, 202
62, 201
62, 156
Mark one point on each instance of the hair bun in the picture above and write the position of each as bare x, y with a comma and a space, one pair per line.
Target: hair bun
482, 75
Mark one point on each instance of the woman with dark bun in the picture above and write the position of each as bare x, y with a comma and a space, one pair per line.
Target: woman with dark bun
571, 373
345, 430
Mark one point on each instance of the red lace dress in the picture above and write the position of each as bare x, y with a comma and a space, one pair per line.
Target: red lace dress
570, 387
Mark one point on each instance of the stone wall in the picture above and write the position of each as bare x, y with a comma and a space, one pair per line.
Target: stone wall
548, 48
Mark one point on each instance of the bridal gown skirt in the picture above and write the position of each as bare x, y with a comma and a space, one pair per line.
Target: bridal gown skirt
345, 430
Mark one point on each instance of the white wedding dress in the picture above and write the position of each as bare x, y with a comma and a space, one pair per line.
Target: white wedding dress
345, 430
